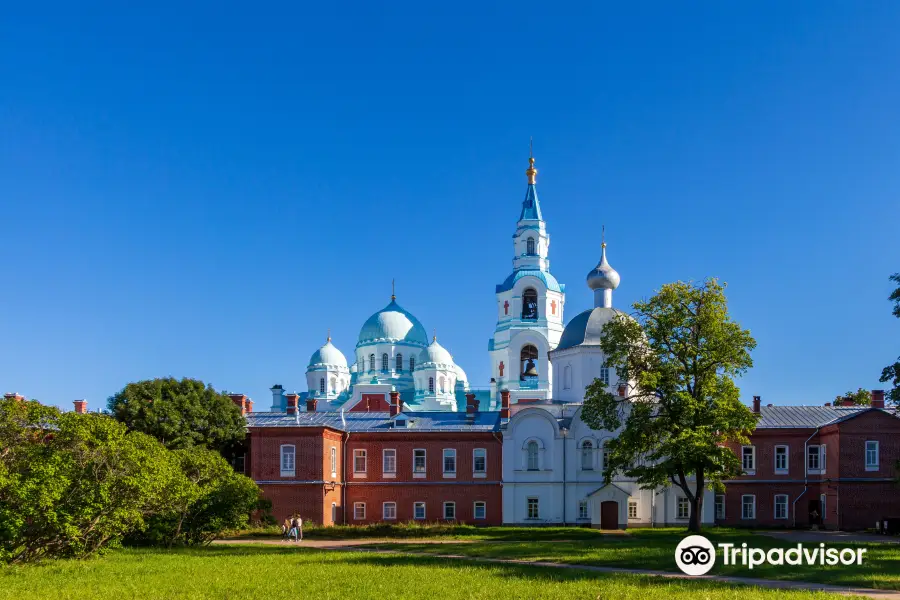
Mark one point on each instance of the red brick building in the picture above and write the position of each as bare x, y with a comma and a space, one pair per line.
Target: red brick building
363, 467
830, 466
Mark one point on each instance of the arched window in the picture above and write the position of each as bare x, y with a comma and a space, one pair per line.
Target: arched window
532, 450
530, 305
384, 362
587, 455
412, 363
529, 247
528, 359
321, 385
567, 377
441, 381
399, 361
431, 384
371, 362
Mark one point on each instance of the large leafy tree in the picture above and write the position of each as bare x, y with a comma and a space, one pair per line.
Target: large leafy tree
180, 413
681, 352
860, 397
891, 373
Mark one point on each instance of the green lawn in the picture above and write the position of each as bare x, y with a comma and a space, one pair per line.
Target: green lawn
274, 572
654, 549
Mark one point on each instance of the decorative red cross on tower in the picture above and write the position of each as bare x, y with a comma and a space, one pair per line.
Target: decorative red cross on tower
505, 310
553, 306
501, 368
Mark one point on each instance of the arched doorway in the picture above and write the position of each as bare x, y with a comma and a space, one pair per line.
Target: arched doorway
609, 514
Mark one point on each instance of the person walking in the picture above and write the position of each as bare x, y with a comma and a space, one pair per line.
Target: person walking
285, 529
300, 528
292, 536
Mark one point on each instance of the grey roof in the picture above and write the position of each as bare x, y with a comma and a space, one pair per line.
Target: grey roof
379, 421
586, 327
782, 417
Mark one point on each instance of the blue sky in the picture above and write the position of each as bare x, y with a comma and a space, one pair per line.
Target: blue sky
202, 190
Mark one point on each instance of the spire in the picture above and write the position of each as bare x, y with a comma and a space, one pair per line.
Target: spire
329, 336
603, 279
531, 208
393, 290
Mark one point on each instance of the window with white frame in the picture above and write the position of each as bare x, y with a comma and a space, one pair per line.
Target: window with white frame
389, 510
529, 246
321, 385
781, 506
371, 362
604, 375
533, 508
781, 460
449, 461
398, 360
684, 508
334, 512
449, 510
815, 459
359, 462
632, 509
389, 461
419, 461
587, 455
288, 460
871, 455
412, 364
567, 377
748, 506
419, 511
359, 511
385, 360
748, 459
480, 510
479, 461
720, 507
583, 509
533, 464
333, 461
431, 385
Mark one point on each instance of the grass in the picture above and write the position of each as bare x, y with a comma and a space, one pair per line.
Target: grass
275, 572
654, 549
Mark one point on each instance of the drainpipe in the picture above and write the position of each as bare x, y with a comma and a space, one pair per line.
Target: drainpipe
344, 481
565, 434
805, 474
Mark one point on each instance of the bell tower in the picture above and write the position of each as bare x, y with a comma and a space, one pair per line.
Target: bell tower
530, 306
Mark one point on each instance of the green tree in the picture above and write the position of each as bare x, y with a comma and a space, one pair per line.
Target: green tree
73, 484
891, 373
860, 397
680, 354
180, 414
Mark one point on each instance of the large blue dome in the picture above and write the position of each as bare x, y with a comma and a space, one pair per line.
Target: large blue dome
393, 324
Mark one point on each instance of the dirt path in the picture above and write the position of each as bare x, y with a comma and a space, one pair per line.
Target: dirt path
360, 545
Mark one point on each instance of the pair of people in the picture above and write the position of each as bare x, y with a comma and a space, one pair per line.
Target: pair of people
292, 529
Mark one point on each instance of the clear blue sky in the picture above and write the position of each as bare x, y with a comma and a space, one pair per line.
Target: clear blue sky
201, 190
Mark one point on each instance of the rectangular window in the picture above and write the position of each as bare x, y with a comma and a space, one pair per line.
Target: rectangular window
450, 510
871, 456
748, 459
684, 508
389, 462
334, 513
781, 460
419, 511
389, 511
288, 462
534, 508
604, 375
359, 510
720, 507
781, 506
359, 462
449, 461
479, 461
815, 459
333, 461
419, 462
632, 509
748, 506
582, 509
480, 510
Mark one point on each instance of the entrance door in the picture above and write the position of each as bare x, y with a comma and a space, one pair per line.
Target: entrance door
815, 512
609, 515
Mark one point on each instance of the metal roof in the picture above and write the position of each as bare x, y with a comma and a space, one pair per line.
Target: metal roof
432, 421
784, 417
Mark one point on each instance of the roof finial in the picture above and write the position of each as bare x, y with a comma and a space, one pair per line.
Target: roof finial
603, 236
531, 172
393, 290
329, 335
434, 335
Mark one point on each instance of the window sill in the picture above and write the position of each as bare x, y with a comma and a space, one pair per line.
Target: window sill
815, 472
781, 472
359, 475
749, 472
389, 475
418, 475
288, 474
449, 475
871, 469
479, 475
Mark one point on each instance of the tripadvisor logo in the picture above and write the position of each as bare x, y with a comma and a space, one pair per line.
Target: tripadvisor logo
695, 555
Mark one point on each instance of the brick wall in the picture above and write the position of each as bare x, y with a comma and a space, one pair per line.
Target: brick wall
434, 496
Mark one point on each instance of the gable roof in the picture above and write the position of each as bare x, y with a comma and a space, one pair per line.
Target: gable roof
432, 421
809, 417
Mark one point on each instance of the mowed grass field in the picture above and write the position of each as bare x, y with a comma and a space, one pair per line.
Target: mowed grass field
275, 572
654, 549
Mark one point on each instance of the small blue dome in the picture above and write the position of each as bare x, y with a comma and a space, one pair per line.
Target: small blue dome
328, 355
586, 328
393, 324
549, 280
435, 353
